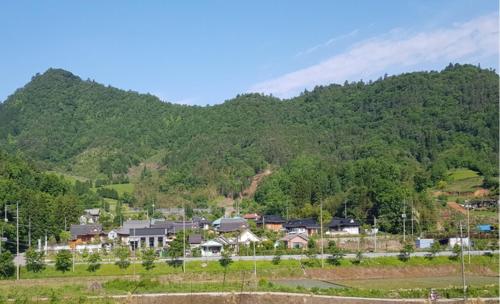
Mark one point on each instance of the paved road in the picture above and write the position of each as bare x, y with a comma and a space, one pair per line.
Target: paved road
299, 257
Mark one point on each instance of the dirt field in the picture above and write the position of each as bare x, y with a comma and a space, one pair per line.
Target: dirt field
274, 298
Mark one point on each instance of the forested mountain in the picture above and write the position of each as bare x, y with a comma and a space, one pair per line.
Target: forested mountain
372, 144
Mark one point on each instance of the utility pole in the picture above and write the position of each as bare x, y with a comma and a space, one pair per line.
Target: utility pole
375, 234
345, 209
29, 232
468, 231
254, 263
463, 265
412, 219
1, 237
404, 221
321, 231
184, 237
135, 243
17, 238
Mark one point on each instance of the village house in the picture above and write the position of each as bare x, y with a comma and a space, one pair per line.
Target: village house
246, 237
343, 226
81, 234
224, 225
195, 240
308, 226
251, 216
124, 231
295, 240
147, 238
211, 248
90, 216
271, 222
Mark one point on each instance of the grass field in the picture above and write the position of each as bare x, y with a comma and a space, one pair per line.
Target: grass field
286, 268
462, 180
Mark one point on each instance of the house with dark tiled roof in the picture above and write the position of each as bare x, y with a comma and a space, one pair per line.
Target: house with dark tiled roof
271, 222
343, 226
195, 240
232, 225
86, 233
308, 226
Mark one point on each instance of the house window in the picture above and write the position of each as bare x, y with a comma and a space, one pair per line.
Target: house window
151, 241
143, 242
296, 245
160, 241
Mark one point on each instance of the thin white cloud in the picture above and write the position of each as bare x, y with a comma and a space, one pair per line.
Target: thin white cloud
327, 43
477, 38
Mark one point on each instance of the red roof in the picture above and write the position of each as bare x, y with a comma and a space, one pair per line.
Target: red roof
251, 216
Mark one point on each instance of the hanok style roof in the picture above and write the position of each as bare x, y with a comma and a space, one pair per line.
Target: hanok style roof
233, 224
337, 222
81, 230
271, 219
290, 237
147, 231
195, 239
308, 223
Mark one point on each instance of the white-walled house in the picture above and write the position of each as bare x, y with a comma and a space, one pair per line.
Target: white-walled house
247, 237
211, 248
343, 226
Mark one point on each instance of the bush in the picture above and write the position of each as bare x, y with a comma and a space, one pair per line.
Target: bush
405, 253
94, 260
123, 255
148, 259
336, 254
7, 267
276, 258
35, 260
63, 260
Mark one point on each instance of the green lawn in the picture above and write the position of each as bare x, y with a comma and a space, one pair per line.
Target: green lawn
286, 268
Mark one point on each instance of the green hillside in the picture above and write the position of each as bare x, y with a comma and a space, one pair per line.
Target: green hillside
372, 144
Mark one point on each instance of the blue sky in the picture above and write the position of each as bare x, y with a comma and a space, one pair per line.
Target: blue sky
203, 52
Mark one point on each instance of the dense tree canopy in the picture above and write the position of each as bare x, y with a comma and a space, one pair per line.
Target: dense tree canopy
372, 146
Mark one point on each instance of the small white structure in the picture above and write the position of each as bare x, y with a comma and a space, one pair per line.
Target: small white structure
454, 241
88, 247
211, 248
112, 235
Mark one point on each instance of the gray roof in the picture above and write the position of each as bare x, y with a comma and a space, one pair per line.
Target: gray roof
130, 224
78, 230
232, 224
195, 239
291, 236
308, 223
338, 222
174, 227
147, 231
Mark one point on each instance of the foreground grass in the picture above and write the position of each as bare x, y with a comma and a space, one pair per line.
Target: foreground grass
78, 293
286, 268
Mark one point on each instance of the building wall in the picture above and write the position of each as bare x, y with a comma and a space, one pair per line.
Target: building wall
274, 227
